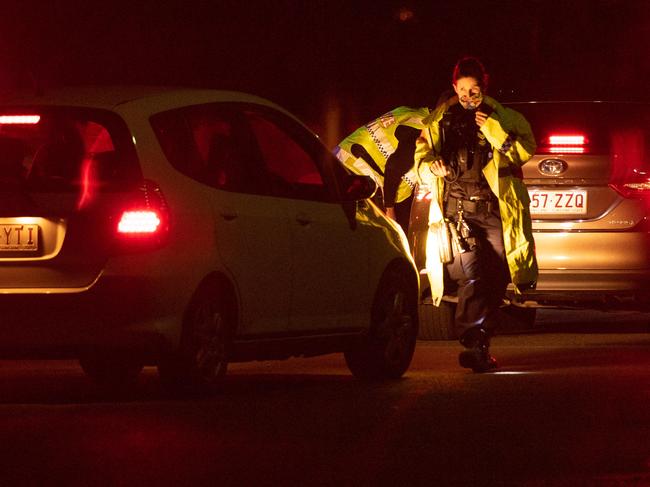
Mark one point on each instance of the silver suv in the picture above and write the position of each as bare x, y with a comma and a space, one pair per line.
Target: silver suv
187, 229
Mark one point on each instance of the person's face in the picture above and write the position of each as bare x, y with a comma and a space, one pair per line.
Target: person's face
469, 92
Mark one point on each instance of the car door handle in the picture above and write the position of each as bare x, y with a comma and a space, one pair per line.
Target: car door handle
303, 219
228, 215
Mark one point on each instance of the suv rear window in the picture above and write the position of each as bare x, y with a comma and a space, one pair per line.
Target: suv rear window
600, 127
64, 149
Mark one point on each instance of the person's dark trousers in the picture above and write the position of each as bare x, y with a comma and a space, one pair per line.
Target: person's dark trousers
481, 274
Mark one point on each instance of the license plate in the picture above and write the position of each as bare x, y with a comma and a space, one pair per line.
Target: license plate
18, 238
558, 202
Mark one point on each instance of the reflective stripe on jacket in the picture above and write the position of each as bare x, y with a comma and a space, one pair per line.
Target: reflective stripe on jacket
513, 144
378, 138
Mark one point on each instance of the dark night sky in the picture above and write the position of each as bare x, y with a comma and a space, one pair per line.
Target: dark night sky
356, 59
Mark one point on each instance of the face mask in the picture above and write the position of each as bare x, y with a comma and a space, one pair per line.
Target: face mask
472, 101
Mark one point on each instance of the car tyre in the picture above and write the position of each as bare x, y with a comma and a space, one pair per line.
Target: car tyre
202, 358
437, 322
111, 369
386, 351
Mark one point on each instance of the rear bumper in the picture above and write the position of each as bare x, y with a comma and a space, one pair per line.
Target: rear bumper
596, 252
610, 281
124, 313
621, 289
607, 269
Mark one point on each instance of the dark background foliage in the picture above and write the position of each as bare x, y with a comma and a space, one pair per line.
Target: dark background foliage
334, 63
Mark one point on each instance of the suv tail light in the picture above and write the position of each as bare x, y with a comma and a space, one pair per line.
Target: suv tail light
636, 185
143, 222
139, 222
630, 176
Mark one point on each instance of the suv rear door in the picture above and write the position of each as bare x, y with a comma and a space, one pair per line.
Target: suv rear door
62, 173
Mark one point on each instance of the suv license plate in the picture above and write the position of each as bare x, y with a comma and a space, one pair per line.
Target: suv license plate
558, 202
19, 238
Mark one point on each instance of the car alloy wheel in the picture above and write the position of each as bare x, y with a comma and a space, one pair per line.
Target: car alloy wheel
208, 342
386, 351
202, 359
395, 329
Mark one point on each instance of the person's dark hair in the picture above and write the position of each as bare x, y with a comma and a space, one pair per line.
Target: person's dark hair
469, 66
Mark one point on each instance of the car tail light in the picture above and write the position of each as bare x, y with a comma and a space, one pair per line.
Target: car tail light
567, 144
19, 119
630, 176
143, 222
636, 185
139, 222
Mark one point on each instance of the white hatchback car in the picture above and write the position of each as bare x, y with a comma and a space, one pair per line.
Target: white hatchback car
190, 228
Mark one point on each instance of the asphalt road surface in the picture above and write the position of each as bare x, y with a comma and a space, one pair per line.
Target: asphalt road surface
570, 406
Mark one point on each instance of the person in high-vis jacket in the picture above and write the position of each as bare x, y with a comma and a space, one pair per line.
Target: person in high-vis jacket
470, 155
384, 149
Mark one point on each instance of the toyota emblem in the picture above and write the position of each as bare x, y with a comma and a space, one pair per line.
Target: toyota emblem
552, 167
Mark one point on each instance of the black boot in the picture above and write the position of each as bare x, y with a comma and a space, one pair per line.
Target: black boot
477, 356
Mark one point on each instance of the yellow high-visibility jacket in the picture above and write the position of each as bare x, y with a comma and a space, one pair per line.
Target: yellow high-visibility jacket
378, 138
513, 144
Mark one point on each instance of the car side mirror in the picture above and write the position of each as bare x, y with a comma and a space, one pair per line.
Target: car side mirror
356, 187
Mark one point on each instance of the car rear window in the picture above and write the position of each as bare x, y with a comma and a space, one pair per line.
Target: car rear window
65, 149
590, 127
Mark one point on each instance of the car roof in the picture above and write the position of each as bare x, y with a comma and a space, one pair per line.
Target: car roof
112, 97
576, 102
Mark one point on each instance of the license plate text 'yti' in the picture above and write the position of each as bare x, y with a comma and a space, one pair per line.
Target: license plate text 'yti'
19, 238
